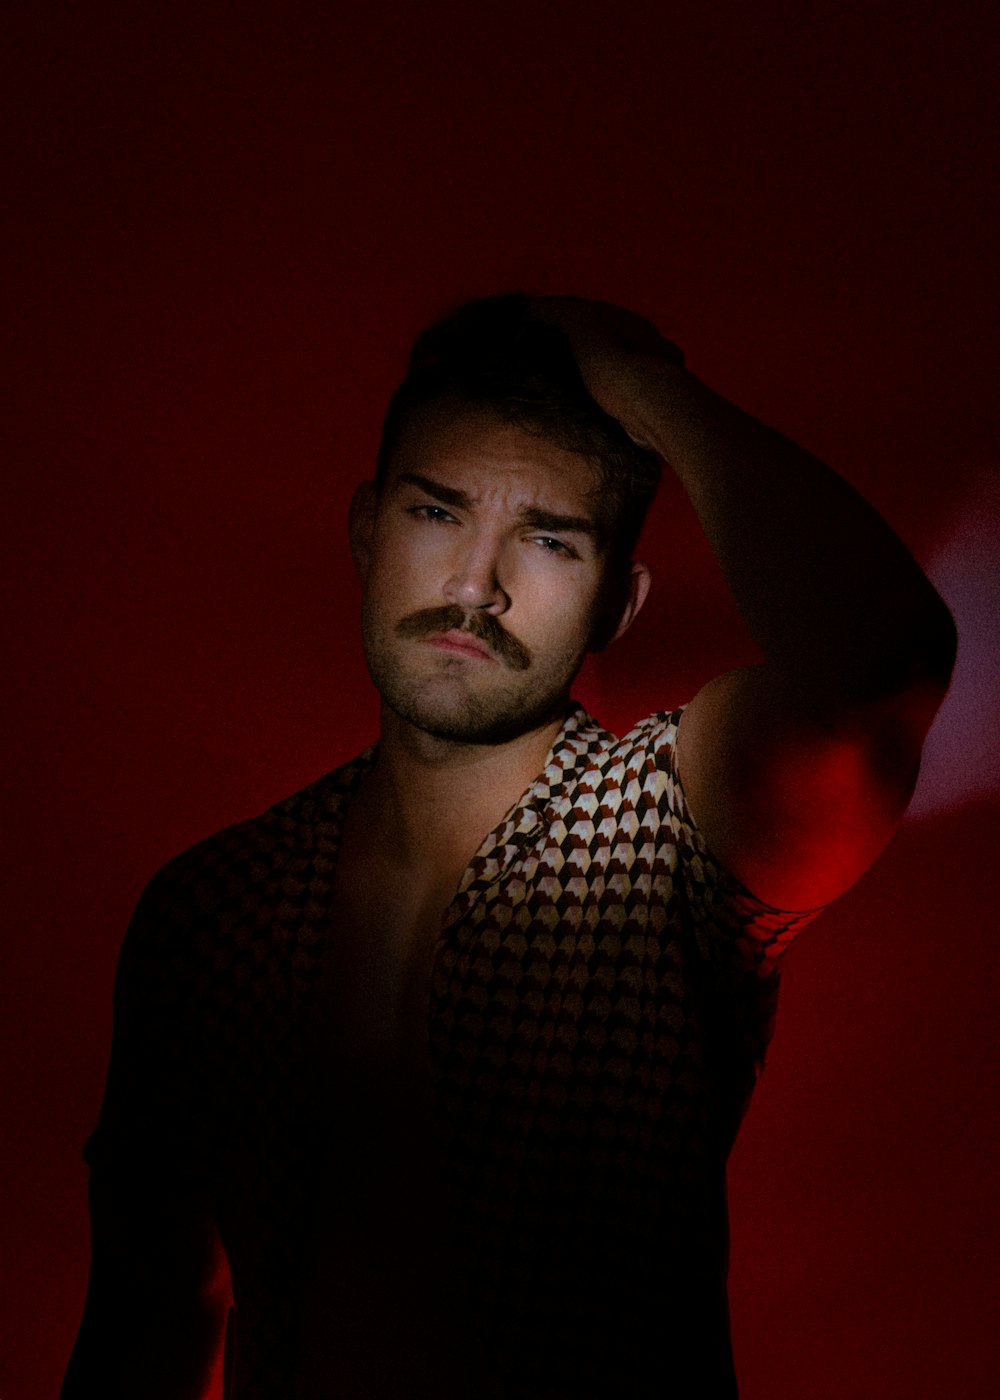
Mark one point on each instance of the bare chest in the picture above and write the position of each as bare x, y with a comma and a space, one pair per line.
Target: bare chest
380, 1238
381, 951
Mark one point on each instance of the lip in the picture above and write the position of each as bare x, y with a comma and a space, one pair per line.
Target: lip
460, 644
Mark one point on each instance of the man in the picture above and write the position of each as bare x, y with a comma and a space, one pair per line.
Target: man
445, 1055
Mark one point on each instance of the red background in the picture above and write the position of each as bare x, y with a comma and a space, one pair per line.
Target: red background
225, 225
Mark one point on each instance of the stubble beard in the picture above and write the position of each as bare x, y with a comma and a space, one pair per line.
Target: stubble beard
444, 700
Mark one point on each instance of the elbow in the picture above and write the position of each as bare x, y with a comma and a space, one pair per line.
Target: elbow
914, 679
919, 659
925, 664
941, 647
906, 669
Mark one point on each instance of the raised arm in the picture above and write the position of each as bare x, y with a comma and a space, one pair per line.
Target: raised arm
796, 770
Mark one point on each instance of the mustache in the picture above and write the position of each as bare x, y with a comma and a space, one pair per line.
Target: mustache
483, 626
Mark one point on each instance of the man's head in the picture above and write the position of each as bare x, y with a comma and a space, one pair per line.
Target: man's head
502, 516
493, 354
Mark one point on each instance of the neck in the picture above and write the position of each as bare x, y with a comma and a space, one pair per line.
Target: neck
434, 799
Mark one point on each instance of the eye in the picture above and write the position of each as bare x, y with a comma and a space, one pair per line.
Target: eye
551, 545
437, 515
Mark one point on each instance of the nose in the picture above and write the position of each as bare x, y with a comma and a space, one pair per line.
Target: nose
474, 583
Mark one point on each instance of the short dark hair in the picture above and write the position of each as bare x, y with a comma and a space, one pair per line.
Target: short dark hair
494, 354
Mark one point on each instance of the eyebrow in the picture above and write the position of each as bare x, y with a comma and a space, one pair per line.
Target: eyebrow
448, 495
531, 515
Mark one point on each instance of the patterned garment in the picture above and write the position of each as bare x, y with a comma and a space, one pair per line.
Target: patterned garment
601, 998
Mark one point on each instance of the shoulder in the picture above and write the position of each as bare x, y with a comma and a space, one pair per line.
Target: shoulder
301, 826
625, 789
642, 760
640, 774
655, 737
258, 872
584, 743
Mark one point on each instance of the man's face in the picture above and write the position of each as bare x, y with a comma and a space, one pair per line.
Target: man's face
483, 575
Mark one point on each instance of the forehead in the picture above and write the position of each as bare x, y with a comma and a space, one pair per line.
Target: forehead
477, 450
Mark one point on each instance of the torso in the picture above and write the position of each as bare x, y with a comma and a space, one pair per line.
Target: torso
382, 1263
314, 1149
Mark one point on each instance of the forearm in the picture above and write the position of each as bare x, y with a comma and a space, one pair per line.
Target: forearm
827, 590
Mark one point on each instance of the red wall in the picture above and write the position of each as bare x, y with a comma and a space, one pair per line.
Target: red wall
225, 223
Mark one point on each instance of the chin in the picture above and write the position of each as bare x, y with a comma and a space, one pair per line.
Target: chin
473, 721
438, 708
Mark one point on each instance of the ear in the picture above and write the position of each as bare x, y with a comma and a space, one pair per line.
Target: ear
626, 595
361, 525
640, 578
